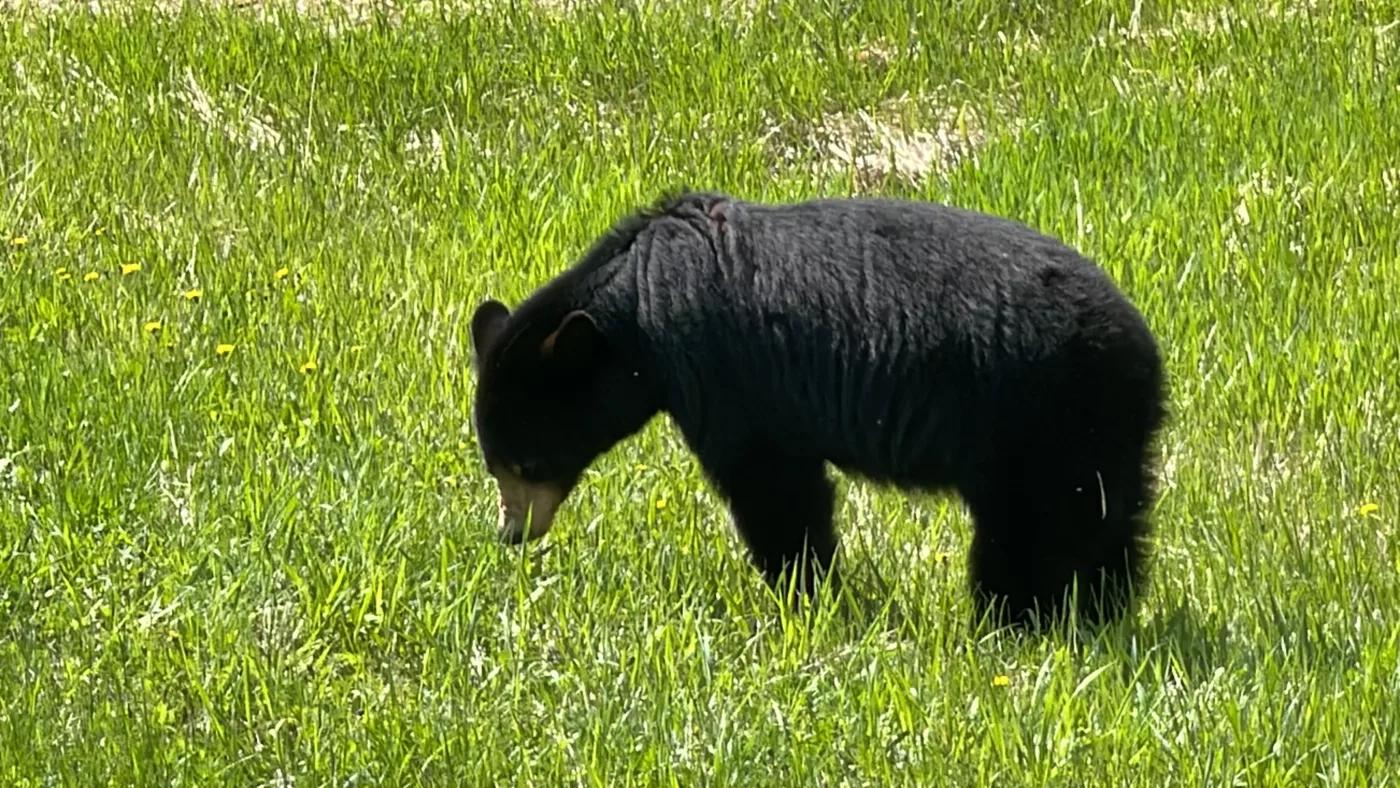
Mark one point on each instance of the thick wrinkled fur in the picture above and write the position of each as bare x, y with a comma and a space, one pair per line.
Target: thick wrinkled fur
908, 343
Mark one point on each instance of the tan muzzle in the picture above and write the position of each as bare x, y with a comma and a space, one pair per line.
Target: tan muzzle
526, 510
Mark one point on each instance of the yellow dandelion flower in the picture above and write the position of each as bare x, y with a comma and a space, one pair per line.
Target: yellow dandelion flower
130, 268
62, 273
942, 558
152, 327
91, 276
101, 231
661, 503
1001, 681
223, 350
19, 240
356, 348
309, 366
1368, 508
282, 273
193, 295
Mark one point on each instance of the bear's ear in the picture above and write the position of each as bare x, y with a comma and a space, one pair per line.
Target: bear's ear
486, 325
575, 340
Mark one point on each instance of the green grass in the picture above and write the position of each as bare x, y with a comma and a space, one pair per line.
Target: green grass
226, 570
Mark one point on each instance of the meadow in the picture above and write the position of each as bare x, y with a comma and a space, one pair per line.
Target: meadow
245, 537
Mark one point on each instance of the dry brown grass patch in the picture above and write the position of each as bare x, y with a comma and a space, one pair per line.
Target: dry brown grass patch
905, 138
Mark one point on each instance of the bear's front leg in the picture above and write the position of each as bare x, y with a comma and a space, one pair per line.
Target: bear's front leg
782, 506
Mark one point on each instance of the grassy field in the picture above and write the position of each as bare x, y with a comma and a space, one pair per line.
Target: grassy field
245, 538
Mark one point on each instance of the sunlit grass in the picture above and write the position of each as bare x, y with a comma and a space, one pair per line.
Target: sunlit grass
245, 537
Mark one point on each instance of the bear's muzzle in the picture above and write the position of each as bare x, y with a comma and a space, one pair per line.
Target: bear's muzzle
526, 510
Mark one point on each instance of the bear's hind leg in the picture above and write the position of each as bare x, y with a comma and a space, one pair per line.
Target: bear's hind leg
1038, 535
1113, 566
782, 506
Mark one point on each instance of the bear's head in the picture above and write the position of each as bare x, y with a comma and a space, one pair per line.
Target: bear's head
553, 393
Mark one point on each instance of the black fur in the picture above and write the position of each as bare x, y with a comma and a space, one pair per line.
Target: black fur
908, 343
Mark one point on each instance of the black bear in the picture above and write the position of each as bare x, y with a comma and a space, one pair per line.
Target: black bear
907, 343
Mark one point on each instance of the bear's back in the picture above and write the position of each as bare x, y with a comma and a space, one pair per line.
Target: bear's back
868, 329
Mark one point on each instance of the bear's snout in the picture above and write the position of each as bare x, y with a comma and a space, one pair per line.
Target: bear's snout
526, 510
